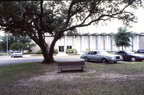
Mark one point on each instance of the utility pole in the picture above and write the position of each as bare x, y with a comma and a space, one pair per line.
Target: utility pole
7, 42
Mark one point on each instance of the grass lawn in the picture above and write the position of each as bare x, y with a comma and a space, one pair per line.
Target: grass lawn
97, 79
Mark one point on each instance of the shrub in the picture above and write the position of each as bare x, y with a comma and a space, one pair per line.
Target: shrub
27, 52
55, 51
38, 52
71, 51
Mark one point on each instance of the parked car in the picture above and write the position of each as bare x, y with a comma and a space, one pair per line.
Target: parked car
130, 56
140, 51
101, 56
16, 54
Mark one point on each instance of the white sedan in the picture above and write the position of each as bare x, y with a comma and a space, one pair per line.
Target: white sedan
101, 56
17, 54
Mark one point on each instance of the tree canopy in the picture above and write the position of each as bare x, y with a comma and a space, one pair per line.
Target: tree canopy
122, 38
38, 18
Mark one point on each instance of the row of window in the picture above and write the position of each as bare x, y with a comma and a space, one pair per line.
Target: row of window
61, 48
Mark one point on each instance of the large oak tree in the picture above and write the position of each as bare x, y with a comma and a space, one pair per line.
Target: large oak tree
37, 18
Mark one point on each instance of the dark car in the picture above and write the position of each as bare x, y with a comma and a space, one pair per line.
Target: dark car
130, 56
140, 51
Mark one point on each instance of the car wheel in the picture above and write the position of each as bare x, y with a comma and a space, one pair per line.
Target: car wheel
133, 59
103, 60
115, 62
86, 59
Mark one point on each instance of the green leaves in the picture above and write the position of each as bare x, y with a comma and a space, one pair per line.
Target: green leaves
122, 38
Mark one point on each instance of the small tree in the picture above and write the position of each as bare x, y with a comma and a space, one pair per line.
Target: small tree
122, 38
0, 48
17, 46
16, 42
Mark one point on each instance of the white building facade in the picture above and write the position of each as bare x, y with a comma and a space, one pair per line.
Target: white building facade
93, 42
96, 42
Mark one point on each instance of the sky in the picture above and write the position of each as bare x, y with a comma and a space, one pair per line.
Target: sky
112, 26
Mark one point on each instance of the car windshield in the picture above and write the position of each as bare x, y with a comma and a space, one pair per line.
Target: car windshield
17, 52
141, 51
103, 52
129, 52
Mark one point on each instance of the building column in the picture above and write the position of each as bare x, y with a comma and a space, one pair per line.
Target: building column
81, 43
104, 41
111, 45
96, 38
99, 39
138, 44
64, 43
73, 42
107, 43
88, 43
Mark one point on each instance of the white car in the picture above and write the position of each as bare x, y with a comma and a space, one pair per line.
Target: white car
101, 56
16, 54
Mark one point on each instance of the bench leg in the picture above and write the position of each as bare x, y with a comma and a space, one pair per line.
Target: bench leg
61, 70
82, 69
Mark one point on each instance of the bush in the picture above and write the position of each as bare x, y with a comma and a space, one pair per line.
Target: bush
71, 51
40, 51
27, 52
55, 51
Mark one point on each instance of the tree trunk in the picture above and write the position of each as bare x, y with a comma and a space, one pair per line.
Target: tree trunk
51, 50
48, 55
45, 55
122, 47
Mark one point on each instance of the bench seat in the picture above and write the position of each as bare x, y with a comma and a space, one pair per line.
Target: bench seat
71, 64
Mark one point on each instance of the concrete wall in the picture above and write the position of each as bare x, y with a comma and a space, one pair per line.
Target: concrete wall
48, 40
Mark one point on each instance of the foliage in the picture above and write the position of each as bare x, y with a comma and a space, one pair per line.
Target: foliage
122, 38
55, 51
38, 51
71, 51
0, 47
16, 42
16, 46
36, 18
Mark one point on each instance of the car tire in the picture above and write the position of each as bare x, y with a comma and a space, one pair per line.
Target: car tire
103, 60
115, 62
86, 59
133, 59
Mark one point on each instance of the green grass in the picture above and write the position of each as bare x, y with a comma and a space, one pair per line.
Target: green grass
88, 82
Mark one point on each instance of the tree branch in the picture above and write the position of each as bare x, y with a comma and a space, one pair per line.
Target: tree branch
82, 24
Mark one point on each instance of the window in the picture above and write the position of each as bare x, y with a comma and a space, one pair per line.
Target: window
61, 48
93, 52
140, 51
69, 47
121, 52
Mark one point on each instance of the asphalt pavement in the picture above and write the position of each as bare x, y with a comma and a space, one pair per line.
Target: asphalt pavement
7, 60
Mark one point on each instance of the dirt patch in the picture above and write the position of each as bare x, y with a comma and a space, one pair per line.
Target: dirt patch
67, 76
116, 76
70, 76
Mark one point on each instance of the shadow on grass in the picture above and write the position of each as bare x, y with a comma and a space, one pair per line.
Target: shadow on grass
71, 71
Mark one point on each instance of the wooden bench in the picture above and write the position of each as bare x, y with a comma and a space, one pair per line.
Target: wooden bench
71, 64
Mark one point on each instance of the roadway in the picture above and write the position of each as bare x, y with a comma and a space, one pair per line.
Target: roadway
7, 60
